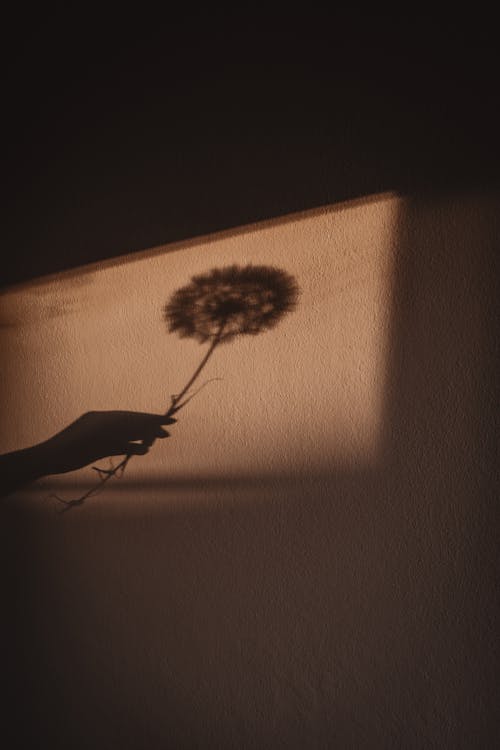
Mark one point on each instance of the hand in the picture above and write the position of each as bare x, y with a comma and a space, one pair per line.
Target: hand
99, 434
93, 436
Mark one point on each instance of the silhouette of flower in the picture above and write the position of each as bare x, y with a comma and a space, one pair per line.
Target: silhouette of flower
215, 307
227, 302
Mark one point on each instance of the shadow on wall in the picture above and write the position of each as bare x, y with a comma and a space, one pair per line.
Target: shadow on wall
214, 309
350, 609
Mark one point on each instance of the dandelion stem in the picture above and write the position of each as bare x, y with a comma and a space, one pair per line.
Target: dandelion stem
178, 397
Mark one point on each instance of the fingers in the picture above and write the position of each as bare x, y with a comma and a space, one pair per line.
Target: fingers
148, 438
140, 448
151, 419
167, 420
137, 449
152, 424
139, 426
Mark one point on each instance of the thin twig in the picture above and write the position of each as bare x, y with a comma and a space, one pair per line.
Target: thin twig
173, 406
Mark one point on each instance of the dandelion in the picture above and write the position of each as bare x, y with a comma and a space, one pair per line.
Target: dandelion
216, 307
228, 302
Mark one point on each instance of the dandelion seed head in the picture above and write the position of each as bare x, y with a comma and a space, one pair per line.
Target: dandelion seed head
231, 301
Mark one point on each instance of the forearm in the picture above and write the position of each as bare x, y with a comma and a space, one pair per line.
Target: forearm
22, 467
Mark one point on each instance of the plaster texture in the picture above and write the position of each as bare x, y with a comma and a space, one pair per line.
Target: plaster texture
309, 561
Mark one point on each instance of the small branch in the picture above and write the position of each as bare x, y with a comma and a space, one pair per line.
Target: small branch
108, 474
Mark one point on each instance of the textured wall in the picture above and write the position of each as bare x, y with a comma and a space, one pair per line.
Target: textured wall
97, 340
309, 561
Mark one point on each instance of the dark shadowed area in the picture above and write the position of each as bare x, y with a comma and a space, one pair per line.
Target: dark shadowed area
125, 134
355, 607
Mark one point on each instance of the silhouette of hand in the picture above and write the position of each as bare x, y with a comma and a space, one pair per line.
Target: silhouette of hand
95, 435
99, 434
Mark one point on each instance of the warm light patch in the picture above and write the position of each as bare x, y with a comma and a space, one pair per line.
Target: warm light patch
298, 398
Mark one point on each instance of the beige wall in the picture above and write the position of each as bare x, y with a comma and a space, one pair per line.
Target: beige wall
308, 562
96, 339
